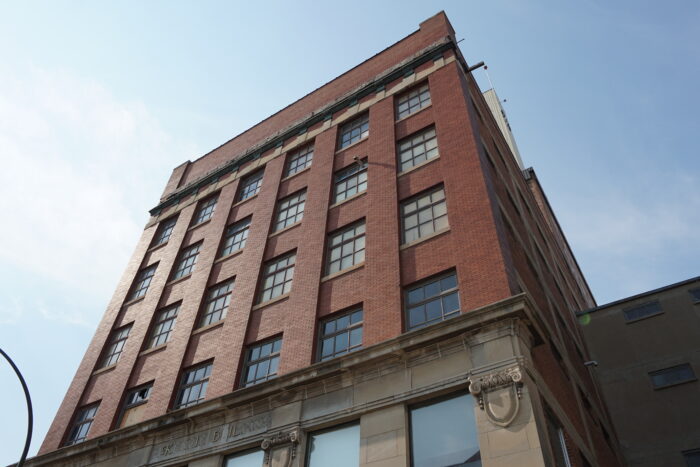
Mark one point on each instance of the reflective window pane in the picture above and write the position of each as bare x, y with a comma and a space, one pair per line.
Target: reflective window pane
248, 459
337, 448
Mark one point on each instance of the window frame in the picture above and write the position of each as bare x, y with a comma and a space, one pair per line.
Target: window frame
233, 230
205, 209
354, 170
207, 314
695, 295
160, 238
76, 422
244, 191
421, 284
183, 257
413, 141
668, 370
311, 434
207, 365
306, 152
322, 335
360, 122
138, 285
297, 203
641, 307
417, 212
156, 333
125, 406
266, 274
249, 361
115, 346
330, 247
406, 96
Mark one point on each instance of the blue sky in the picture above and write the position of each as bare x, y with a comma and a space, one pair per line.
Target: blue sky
99, 101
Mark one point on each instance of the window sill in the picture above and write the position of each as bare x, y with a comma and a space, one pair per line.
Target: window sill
104, 370
338, 151
243, 201
178, 280
289, 227
406, 117
135, 300
208, 327
271, 301
419, 166
195, 227
352, 268
157, 247
289, 177
228, 256
424, 239
349, 198
153, 349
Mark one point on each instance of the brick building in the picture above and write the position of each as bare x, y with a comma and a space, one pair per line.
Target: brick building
368, 275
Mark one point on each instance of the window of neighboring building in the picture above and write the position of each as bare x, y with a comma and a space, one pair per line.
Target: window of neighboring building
417, 149
246, 459
350, 181
692, 458
339, 447
558, 440
205, 210
81, 424
290, 210
431, 301
695, 293
643, 311
193, 386
261, 362
277, 277
115, 346
413, 100
671, 376
424, 214
188, 258
299, 160
165, 229
346, 247
341, 334
353, 131
250, 185
143, 280
133, 409
218, 299
163, 327
444, 434
235, 237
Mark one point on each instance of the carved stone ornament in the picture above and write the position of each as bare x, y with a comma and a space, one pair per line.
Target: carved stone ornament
499, 394
281, 449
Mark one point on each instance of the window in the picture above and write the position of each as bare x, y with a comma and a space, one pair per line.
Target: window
81, 424
350, 181
353, 131
432, 301
671, 376
424, 214
188, 258
557, 440
643, 311
133, 409
205, 210
164, 230
444, 434
692, 458
300, 160
218, 299
193, 387
290, 210
250, 186
417, 149
115, 346
341, 335
413, 100
695, 294
277, 277
346, 247
261, 362
339, 447
235, 237
143, 280
163, 326
246, 459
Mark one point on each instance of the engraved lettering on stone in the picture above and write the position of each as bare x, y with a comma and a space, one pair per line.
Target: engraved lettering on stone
499, 394
256, 424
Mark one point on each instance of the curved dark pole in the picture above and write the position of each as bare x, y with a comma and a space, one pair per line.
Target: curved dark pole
30, 413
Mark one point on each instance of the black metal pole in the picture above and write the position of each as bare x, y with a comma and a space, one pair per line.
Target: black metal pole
30, 413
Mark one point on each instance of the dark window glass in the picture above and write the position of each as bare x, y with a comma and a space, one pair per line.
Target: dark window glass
235, 238
417, 149
81, 424
290, 210
193, 387
188, 258
277, 277
246, 459
444, 434
250, 185
218, 299
692, 458
413, 100
115, 346
341, 334
143, 280
432, 301
205, 210
137, 396
261, 362
353, 131
300, 160
671, 376
163, 326
424, 214
642, 311
164, 230
339, 447
350, 181
346, 248
695, 293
